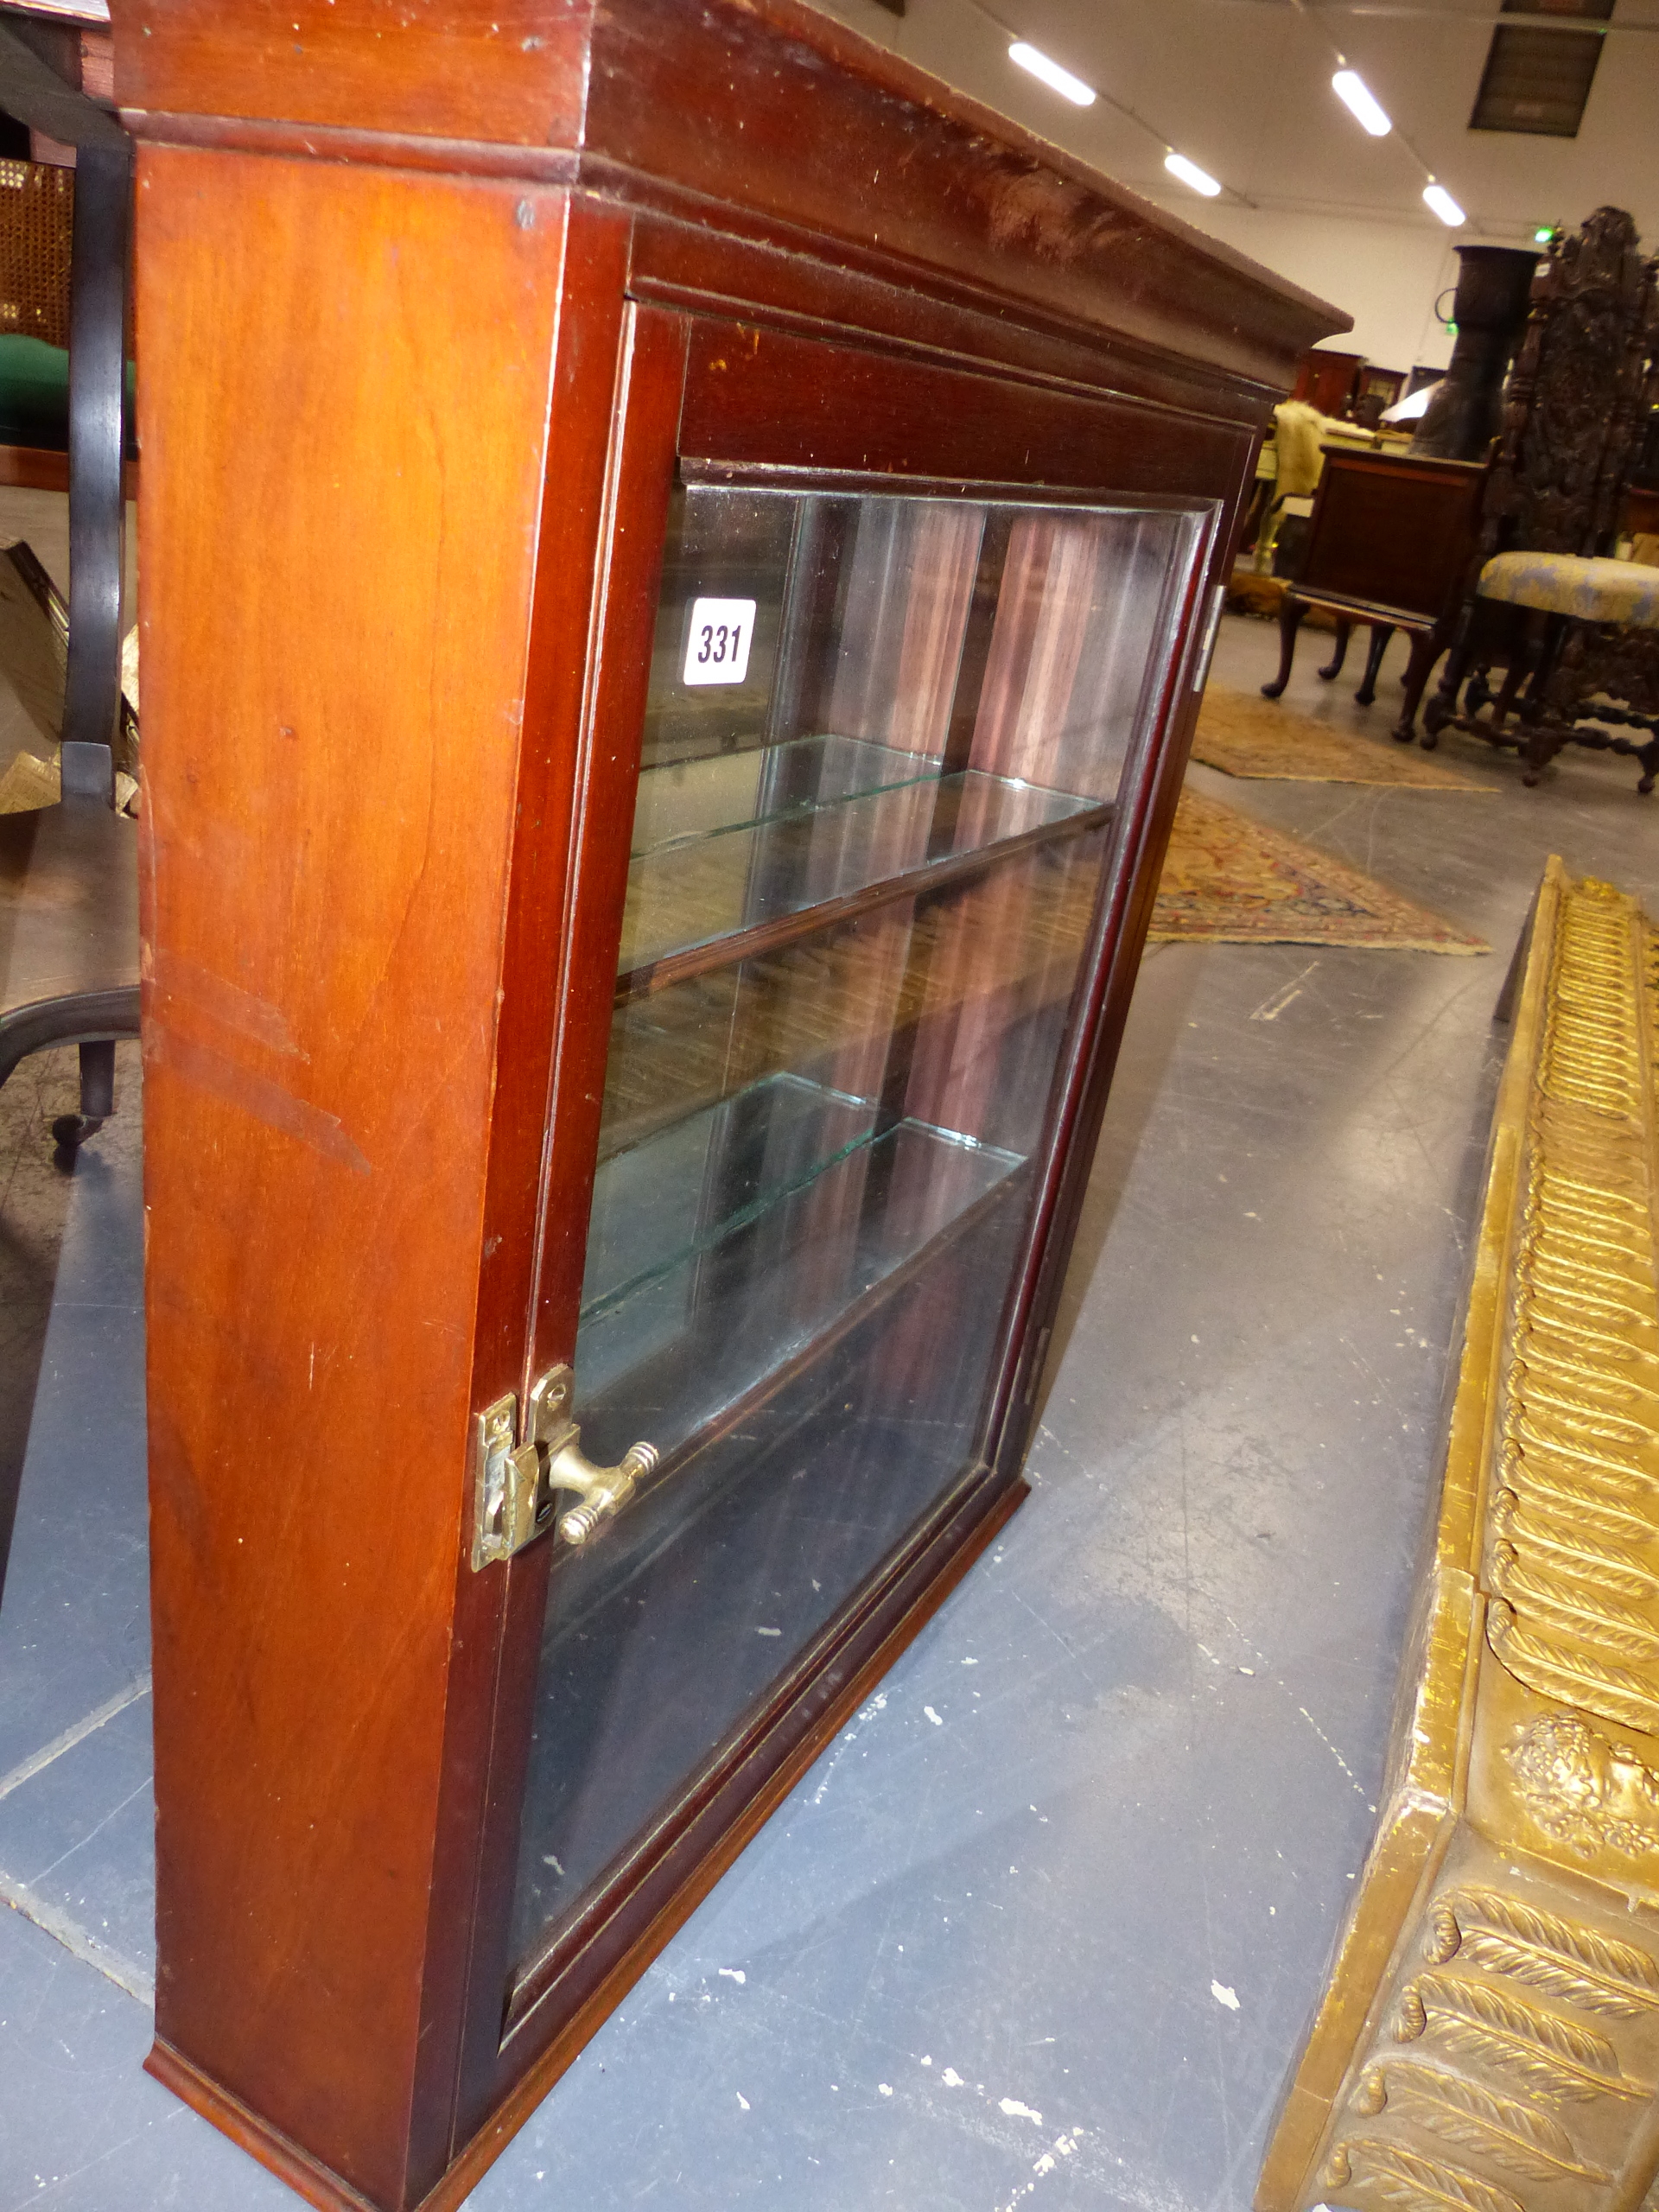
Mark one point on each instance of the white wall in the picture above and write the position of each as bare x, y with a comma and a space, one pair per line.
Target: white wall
1387, 275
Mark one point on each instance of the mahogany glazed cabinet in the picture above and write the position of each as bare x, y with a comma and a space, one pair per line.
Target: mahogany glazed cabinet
678, 557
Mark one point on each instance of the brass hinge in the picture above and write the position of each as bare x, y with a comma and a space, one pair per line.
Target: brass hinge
514, 1484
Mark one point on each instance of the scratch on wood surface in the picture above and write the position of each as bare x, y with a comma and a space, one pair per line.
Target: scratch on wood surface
258, 1097
176, 976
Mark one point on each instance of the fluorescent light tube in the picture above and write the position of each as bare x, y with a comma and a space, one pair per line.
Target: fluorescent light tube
1444, 205
1192, 174
1351, 90
1050, 74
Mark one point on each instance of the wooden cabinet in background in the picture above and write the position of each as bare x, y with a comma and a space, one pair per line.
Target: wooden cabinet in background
677, 561
1390, 543
1328, 380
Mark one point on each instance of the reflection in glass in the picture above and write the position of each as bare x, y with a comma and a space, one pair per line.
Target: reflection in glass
863, 892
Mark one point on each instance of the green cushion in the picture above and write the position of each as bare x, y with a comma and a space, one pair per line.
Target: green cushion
33, 392
1561, 583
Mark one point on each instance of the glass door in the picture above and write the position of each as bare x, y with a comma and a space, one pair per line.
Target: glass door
883, 751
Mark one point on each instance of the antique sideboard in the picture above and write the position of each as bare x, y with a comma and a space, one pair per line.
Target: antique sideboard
678, 557
1391, 543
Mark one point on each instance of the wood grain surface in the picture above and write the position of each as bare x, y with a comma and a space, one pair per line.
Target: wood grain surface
443, 69
339, 543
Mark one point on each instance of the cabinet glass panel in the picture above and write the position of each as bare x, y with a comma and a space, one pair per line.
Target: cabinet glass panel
880, 774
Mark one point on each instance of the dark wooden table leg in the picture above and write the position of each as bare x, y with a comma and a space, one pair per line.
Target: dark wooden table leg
1381, 633
1542, 743
1544, 736
1427, 646
1332, 668
1290, 612
1443, 707
1504, 704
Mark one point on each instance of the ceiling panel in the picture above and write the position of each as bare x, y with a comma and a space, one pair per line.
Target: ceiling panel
1243, 88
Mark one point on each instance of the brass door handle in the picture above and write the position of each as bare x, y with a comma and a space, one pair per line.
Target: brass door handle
605, 1491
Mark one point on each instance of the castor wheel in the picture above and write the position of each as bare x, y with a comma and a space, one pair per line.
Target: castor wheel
70, 1132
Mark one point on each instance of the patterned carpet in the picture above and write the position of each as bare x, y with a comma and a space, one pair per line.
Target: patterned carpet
1244, 734
1230, 880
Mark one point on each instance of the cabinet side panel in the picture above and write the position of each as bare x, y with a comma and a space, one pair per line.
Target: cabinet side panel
337, 534
511, 71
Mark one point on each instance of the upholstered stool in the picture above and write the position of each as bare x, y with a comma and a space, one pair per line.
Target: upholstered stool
1587, 591
1594, 672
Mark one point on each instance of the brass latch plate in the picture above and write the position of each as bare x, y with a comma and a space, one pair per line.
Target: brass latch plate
514, 1484
506, 1485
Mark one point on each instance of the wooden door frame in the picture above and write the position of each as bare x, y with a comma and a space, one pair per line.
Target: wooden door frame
502, 2075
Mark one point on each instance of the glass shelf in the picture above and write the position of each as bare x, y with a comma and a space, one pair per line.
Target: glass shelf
770, 1216
728, 893
681, 801
653, 1208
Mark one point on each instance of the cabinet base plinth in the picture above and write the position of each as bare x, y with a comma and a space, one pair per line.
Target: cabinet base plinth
319, 2186
314, 2183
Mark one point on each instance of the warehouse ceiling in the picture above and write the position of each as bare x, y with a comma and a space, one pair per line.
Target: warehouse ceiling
1242, 87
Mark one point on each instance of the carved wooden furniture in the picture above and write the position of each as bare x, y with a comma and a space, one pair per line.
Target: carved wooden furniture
658, 745
1546, 602
1389, 544
68, 874
1596, 673
1490, 2035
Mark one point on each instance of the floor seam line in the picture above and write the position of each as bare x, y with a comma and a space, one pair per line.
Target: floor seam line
37, 1762
126, 1974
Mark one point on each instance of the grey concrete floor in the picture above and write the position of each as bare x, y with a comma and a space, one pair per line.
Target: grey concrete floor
1045, 1924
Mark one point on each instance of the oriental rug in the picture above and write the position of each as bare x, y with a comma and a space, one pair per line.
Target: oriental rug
1230, 881
1246, 735
28, 785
